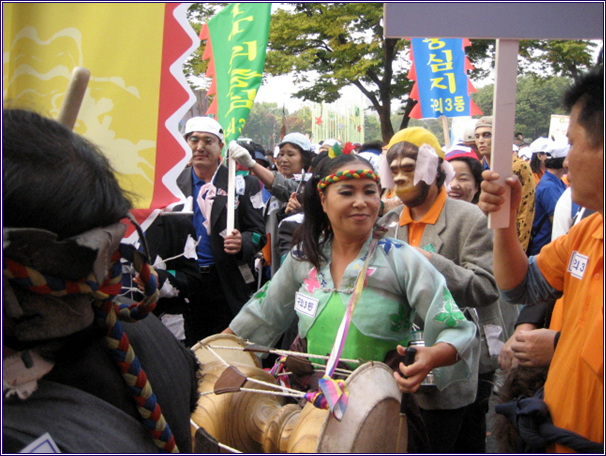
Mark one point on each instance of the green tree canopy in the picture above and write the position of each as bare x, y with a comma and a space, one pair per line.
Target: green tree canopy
327, 46
536, 100
265, 121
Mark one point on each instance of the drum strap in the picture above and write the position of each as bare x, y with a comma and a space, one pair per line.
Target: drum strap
333, 393
339, 343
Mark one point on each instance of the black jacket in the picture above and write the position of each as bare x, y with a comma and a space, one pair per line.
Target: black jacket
248, 220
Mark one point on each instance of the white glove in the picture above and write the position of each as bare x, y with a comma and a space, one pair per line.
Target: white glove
241, 155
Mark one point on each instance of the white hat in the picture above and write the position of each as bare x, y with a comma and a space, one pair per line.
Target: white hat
540, 145
469, 135
559, 149
525, 152
298, 139
329, 142
204, 125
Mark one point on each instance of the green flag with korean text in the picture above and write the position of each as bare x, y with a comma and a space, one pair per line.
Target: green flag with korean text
236, 42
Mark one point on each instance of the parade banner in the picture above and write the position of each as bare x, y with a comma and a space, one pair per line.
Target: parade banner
236, 42
342, 120
136, 95
439, 70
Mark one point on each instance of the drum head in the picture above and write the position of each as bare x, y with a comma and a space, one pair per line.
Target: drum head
371, 423
234, 356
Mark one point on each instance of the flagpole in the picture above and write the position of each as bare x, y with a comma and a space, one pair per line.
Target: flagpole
445, 130
231, 191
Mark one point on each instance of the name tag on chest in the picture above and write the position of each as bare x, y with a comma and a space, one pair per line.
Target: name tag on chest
306, 305
577, 265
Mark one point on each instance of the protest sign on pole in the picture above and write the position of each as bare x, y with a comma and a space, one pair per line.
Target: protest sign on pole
439, 69
531, 20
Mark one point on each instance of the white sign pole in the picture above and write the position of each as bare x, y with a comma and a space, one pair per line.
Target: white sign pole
231, 192
504, 105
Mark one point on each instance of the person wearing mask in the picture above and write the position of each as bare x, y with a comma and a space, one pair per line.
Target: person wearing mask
453, 235
83, 371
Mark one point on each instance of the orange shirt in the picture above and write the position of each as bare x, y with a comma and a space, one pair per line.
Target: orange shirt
416, 229
574, 390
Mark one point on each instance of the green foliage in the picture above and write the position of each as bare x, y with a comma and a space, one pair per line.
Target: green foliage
198, 14
327, 46
536, 100
372, 127
265, 121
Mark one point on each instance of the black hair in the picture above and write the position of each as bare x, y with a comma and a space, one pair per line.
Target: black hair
476, 170
306, 155
54, 179
588, 92
535, 163
318, 158
372, 145
555, 163
315, 230
406, 149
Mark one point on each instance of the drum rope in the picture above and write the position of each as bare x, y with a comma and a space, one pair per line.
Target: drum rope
321, 367
284, 391
274, 351
110, 313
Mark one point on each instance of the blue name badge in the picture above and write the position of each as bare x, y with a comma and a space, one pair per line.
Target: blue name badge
306, 304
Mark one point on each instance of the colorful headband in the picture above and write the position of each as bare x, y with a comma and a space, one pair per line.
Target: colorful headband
347, 175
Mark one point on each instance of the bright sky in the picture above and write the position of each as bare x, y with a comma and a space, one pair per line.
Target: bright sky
279, 90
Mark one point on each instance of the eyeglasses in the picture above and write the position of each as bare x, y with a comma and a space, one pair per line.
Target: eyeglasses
206, 141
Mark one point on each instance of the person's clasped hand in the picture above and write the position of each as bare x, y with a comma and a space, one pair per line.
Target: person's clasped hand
241, 155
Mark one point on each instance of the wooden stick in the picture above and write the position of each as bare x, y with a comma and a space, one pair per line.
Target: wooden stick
504, 109
73, 97
445, 131
231, 194
275, 351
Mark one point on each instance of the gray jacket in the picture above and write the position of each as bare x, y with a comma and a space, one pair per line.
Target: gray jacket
461, 246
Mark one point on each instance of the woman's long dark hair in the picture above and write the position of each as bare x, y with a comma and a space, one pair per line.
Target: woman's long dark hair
315, 231
535, 163
54, 179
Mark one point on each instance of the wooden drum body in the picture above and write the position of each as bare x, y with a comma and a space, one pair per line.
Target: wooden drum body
253, 422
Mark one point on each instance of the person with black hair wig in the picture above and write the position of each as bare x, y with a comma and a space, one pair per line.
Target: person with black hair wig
453, 235
75, 357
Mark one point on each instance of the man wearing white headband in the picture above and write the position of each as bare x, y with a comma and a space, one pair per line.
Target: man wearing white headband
453, 235
224, 258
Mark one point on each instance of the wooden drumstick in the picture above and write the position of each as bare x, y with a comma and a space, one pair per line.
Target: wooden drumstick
73, 97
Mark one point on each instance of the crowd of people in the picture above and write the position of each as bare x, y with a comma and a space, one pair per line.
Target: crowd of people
388, 240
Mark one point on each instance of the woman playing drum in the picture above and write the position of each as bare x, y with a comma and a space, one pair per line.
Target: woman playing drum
317, 279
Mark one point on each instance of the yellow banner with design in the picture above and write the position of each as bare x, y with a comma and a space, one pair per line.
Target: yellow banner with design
136, 95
